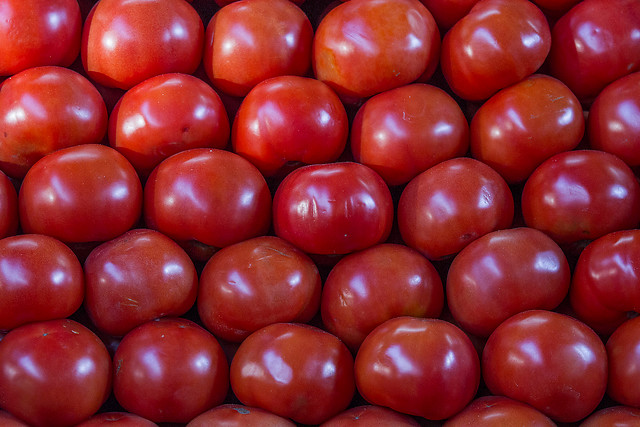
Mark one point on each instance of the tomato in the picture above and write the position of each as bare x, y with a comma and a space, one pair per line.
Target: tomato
448, 12
595, 43
395, 41
295, 371
61, 362
334, 208
8, 207
619, 416
451, 204
118, 419
84, 193
170, 370
368, 287
35, 33
551, 361
233, 415
124, 42
497, 44
250, 41
404, 131
9, 420
497, 411
614, 120
290, 119
164, 115
370, 415
581, 195
624, 361
423, 367
523, 125
254, 283
44, 109
212, 196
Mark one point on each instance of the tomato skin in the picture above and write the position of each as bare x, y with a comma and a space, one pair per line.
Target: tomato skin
497, 411
213, 196
164, 115
61, 362
404, 131
593, 33
119, 419
619, 416
448, 12
423, 367
290, 119
524, 124
269, 38
254, 283
232, 415
8, 420
158, 358
497, 44
334, 208
551, 361
624, 359
144, 38
370, 416
8, 207
579, 195
451, 204
68, 193
396, 41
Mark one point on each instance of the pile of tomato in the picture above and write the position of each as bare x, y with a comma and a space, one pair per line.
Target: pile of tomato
278, 213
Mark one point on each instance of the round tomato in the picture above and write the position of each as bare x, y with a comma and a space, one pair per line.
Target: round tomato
118, 419
233, 415
618, 416
624, 363
369, 416
8, 207
498, 411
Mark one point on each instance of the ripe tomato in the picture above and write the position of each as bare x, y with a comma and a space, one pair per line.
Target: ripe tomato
395, 41
125, 42
624, 361
404, 131
551, 361
370, 415
498, 411
334, 208
54, 373
119, 419
85, 193
233, 415
423, 367
619, 416
8, 207
164, 115
170, 370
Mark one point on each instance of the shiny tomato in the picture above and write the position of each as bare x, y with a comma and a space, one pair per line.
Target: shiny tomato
8, 207
290, 119
54, 373
498, 411
497, 44
368, 287
523, 125
124, 42
295, 371
254, 283
624, 363
334, 208
451, 204
370, 416
117, 419
448, 12
423, 367
164, 115
551, 361
581, 195
170, 370
233, 415
395, 41
84, 193
250, 41
618, 416
404, 131
35, 33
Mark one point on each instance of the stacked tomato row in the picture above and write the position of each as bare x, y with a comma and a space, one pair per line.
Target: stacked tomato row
270, 212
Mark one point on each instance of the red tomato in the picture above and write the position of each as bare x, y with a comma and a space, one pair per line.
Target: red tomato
124, 42
624, 363
255, 283
164, 115
295, 371
250, 41
451, 204
8, 420
614, 120
523, 125
170, 370
41, 279
233, 415
85, 193
370, 416
334, 208
364, 47
35, 33
448, 12
549, 360
8, 207
359, 293
498, 411
595, 43
117, 419
54, 373
497, 44
44, 109
209, 195
290, 119
423, 367
581, 195
618, 416
403, 132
